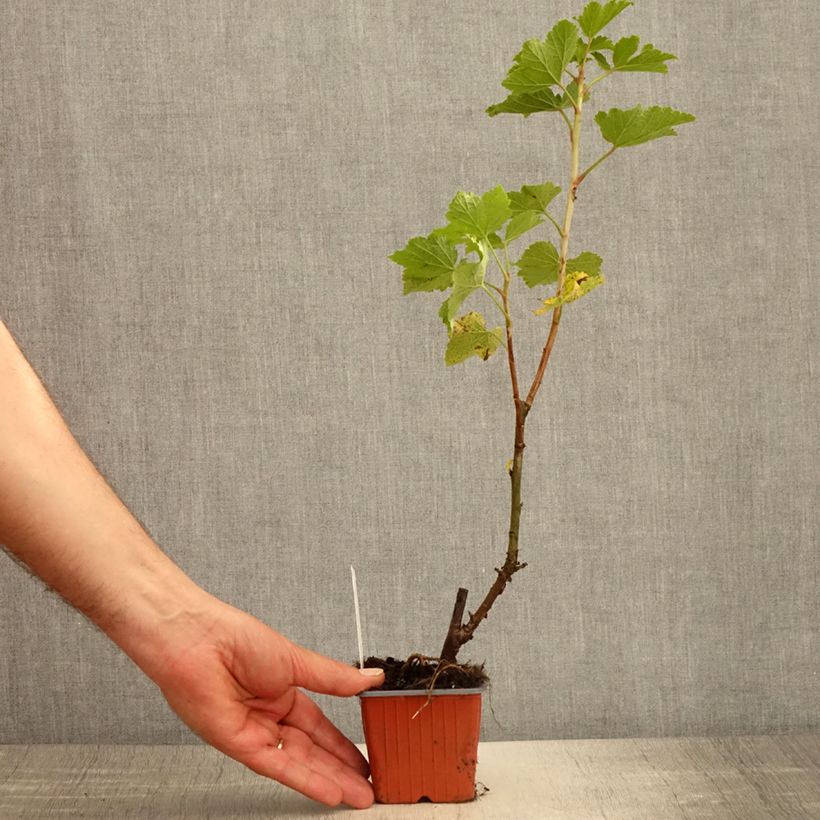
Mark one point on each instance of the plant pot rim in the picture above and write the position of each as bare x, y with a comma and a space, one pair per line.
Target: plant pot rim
397, 693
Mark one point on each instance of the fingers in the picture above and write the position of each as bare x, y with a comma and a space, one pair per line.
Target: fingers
309, 769
320, 674
278, 765
356, 790
309, 718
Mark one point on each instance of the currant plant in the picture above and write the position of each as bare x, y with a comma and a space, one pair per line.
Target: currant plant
547, 76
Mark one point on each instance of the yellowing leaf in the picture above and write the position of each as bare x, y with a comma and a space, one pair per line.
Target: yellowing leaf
469, 337
576, 285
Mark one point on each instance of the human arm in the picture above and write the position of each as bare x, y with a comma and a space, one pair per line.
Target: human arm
233, 680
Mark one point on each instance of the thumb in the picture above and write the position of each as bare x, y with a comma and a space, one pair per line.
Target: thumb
329, 677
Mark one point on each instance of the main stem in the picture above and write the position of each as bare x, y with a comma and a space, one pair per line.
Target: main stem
459, 633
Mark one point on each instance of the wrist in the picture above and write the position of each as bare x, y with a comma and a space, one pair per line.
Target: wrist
161, 612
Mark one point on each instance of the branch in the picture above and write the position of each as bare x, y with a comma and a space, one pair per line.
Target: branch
545, 357
486, 288
599, 78
575, 142
505, 296
580, 178
566, 118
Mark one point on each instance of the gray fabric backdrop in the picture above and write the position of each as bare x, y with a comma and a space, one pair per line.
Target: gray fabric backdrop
198, 199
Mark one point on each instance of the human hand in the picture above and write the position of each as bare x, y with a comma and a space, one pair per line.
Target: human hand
233, 680
237, 685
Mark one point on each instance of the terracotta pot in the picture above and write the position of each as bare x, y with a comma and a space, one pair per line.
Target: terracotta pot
430, 757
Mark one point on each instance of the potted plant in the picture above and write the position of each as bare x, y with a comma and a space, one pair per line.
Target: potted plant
430, 707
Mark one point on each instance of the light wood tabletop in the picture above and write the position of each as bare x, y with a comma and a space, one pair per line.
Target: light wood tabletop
748, 778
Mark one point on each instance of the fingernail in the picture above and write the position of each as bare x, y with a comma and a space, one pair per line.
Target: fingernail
372, 671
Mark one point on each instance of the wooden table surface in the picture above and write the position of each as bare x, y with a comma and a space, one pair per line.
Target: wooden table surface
748, 778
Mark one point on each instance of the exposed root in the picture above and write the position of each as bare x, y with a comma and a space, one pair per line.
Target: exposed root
442, 666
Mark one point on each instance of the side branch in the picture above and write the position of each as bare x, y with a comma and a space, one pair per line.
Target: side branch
575, 180
545, 357
510, 354
583, 175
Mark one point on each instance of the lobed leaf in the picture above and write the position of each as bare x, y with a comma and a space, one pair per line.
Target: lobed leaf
541, 63
625, 58
533, 197
601, 60
596, 17
520, 223
526, 104
538, 264
638, 125
576, 285
580, 51
601, 42
428, 262
587, 262
467, 277
478, 216
469, 337
456, 236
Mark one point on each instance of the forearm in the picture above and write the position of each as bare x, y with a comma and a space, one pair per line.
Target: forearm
60, 518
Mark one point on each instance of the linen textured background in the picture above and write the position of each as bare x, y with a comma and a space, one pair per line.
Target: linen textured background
198, 199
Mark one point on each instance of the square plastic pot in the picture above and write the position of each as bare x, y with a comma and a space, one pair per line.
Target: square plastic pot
431, 756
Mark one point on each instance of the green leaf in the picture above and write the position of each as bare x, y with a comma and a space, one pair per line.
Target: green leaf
541, 63
467, 277
576, 285
638, 125
533, 197
428, 263
587, 262
562, 39
526, 104
580, 51
476, 216
649, 58
601, 42
469, 337
624, 49
596, 44
452, 234
596, 17
479, 245
520, 223
538, 264
601, 60
456, 236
